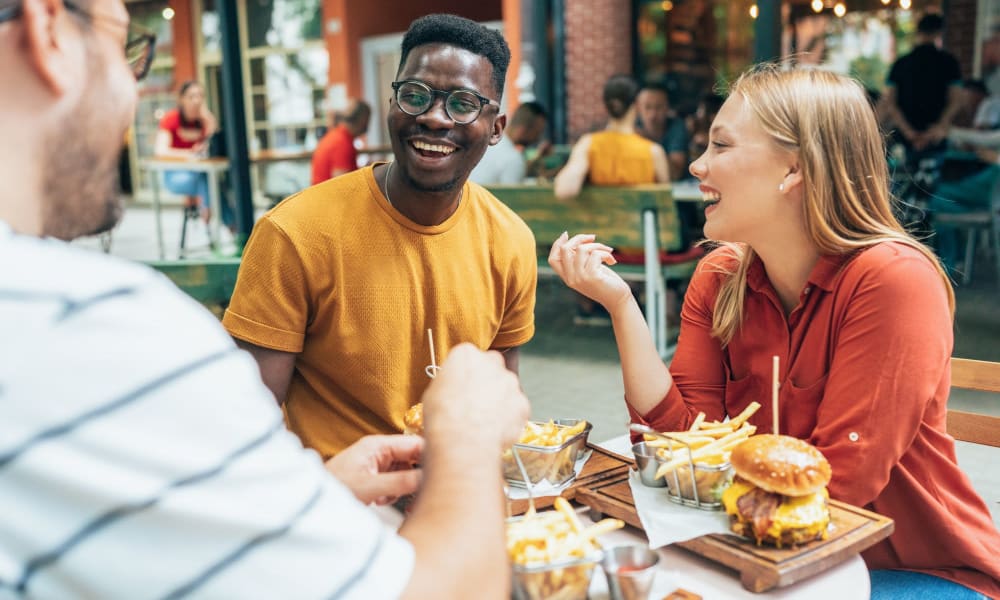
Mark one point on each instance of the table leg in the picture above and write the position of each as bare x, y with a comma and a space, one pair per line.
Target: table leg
155, 176
216, 207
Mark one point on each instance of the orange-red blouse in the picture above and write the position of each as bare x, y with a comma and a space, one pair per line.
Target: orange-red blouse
865, 376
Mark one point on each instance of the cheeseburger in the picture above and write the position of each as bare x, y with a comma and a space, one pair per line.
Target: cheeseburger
413, 420
779, 495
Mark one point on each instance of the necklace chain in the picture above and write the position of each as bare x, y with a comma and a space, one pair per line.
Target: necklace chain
388, 170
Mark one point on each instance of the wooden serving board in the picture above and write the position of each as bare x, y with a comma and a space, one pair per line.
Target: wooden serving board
761, 568
601, 465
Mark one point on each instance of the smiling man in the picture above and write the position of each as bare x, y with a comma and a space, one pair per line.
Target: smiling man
340, 283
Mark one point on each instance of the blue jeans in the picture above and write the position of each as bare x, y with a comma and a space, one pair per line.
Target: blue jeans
193, 183
908, 585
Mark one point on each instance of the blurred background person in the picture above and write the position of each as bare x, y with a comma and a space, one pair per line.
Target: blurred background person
184, 133
699, 123
656, 123
923, 92
506, 162
336, 154
618, 155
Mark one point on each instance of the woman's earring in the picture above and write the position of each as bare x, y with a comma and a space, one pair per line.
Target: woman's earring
781, 186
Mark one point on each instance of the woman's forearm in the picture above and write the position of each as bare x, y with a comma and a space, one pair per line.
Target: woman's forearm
647, 379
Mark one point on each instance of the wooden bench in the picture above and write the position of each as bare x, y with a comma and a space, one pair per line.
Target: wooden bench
641, 222
974, 427
209, 281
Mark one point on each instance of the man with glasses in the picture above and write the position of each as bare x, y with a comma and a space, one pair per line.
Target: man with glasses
140, 453
343, 285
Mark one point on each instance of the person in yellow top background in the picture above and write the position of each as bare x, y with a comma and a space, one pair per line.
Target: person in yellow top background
340, 283
617, 155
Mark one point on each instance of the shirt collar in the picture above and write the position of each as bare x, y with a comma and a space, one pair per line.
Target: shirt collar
823, 275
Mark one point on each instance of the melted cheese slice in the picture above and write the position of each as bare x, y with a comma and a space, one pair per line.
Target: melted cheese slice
809, 513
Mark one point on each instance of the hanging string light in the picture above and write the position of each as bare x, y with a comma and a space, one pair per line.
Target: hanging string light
905, 4
839, 9
754, 11
817, 5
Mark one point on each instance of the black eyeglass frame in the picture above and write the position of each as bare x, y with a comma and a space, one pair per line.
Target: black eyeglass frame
483, 100
144, 37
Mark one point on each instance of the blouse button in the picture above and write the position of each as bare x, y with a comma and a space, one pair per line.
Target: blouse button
853, 436
806, 291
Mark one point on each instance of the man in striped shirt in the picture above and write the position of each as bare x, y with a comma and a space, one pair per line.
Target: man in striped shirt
140, 454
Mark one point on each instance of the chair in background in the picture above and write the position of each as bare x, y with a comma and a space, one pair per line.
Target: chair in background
975, 223
974, 427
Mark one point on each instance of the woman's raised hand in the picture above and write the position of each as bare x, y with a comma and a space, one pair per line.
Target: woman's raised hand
582, 264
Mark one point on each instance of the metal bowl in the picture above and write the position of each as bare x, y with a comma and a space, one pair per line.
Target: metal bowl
566, 580
556, 464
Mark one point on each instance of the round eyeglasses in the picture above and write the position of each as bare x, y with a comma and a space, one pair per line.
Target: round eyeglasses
462, 106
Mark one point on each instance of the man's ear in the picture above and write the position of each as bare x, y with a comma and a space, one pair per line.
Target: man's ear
499, 124
46, 39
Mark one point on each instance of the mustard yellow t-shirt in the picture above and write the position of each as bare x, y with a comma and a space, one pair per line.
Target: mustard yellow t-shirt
620, 159
336, 274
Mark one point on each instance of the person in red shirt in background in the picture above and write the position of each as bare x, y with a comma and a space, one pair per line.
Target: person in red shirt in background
335, 154
184, 133
813, 267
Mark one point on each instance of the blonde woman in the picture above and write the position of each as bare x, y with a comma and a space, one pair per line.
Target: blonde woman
812, 267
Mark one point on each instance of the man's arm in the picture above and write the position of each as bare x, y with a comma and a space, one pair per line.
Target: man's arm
276, 367
939, 130
512, 359
661, 164
896, 116
569, 181
472, 410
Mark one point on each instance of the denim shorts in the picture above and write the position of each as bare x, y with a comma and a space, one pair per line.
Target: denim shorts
910, 585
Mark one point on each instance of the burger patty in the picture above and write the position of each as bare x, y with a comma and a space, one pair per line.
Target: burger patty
758, 508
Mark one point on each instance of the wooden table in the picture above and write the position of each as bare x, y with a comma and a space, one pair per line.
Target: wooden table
210, 167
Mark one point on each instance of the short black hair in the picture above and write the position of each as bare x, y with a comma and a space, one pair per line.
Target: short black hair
656, 86
463, 33
526, 112
977, 85
619, 94
930, 24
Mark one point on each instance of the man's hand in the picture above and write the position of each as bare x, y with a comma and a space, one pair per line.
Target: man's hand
582, 265
988, 155
379, 468
474, 399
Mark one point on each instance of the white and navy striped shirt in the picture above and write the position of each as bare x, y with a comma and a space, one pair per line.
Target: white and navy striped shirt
142, 457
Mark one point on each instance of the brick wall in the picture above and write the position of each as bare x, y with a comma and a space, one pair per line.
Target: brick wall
960, 38
598, 45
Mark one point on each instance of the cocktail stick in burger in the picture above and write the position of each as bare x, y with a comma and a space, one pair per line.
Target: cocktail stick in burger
779, 495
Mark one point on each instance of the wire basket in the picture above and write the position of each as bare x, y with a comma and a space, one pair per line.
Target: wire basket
695, 484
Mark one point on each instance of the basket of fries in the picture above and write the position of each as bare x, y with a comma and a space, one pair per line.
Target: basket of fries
553, 555
695, 463
549, 452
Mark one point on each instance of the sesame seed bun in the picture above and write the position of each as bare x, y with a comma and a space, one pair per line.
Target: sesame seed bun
781, 464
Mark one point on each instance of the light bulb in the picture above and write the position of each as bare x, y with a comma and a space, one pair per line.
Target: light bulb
753, 11
168, 13
905, 4
817, 5
667, 5
839, 9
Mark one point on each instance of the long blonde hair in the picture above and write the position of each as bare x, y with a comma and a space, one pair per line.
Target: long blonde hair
827, 120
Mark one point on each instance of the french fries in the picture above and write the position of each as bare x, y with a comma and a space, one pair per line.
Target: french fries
557, 539
706, 443
549, 434
550, 457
